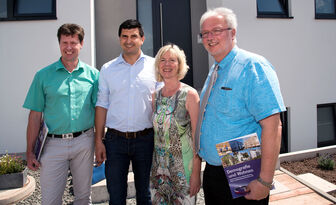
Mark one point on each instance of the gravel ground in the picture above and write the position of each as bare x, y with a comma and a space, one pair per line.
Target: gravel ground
35, 198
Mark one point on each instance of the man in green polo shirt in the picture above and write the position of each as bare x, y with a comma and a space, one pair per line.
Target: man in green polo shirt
65, 94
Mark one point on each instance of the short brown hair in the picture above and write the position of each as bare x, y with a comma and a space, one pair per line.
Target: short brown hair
70, 29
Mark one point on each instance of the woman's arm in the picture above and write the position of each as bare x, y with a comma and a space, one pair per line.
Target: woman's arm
192, 106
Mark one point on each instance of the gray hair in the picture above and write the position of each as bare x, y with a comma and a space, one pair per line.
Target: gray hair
228, 15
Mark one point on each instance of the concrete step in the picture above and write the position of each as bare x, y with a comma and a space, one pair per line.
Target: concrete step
12, 196
318, 182
100, 194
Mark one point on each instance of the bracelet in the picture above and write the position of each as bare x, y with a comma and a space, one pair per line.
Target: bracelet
266, 184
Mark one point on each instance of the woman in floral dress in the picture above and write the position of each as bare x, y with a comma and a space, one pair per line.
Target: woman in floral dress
175, 174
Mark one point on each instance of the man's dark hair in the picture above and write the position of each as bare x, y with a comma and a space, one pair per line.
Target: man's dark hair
70, 29
129, 24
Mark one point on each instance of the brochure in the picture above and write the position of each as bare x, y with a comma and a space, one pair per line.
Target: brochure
40, 140
241, 159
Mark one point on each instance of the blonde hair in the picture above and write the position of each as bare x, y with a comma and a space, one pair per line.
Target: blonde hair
181, 58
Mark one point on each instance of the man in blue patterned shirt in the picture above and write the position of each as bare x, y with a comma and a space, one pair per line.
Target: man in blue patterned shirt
245, 99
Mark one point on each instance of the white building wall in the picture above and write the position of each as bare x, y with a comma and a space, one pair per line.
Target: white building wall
302, 51
26, 47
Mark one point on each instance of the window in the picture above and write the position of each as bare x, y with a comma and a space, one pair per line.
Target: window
325, 9
326, 125
144, 14
284, 133
13, 10
273, 9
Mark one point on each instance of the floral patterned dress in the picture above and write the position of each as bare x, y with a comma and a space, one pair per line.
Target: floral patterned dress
173, 153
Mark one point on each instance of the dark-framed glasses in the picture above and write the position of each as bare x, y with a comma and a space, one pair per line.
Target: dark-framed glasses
214, 32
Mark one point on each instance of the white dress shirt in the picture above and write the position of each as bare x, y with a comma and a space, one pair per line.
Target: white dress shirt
126, 92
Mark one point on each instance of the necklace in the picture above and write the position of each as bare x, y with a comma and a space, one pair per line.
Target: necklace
170, 92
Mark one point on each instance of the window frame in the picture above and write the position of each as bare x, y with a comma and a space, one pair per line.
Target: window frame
325, 16
13, 15
285, 5
330, 142
284, 117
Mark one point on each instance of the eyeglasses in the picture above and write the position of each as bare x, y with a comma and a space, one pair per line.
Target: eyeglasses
169, 61
214, 32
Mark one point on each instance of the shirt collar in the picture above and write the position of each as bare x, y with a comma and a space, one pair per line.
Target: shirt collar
228, 59
120, 59
59, 65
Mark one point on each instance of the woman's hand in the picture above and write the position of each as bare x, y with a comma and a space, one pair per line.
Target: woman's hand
195, 183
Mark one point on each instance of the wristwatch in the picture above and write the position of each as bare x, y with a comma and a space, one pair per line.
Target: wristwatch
266, 184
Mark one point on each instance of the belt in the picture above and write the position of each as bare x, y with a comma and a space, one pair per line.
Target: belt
131, 135
68, 135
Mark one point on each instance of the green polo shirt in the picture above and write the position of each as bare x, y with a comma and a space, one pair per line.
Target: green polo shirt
66, 99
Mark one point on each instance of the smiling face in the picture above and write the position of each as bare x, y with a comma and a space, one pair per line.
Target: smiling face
131, 41
70, 47
218, 45
169, 66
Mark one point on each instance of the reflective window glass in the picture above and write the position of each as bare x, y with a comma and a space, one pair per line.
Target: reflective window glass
325, 6
273, 9
326, 125
145, 18
269, 6
3, 8
17, 10
33, 6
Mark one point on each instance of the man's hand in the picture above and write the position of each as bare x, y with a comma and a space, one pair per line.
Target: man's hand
100, 152
270, 147
256, 191
33, 128
195, 183
32, 163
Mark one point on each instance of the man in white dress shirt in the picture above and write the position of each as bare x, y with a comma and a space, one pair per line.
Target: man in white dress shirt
124, 107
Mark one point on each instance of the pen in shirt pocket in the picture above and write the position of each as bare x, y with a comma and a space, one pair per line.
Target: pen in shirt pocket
226, 88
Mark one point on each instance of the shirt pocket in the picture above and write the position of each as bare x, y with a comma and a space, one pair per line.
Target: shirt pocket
223, 98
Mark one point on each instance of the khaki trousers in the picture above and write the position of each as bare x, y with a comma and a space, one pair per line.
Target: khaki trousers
58, 156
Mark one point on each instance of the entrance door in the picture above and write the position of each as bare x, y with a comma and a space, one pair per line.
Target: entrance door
170, 24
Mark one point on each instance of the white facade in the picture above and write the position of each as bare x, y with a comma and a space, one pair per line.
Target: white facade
26, 47
301, 49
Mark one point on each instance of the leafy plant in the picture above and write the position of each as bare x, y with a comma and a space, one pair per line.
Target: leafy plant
11, 164
326, 162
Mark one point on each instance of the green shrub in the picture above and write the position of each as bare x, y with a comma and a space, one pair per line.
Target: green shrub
11, 164
326, 162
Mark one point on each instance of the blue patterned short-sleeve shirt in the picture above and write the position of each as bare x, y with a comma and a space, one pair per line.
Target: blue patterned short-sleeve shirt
246, 91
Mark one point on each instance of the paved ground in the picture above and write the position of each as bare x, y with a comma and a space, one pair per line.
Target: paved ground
199, 201
289, 190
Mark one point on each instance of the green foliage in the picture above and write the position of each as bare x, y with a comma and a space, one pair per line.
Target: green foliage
326, 162
11, 164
